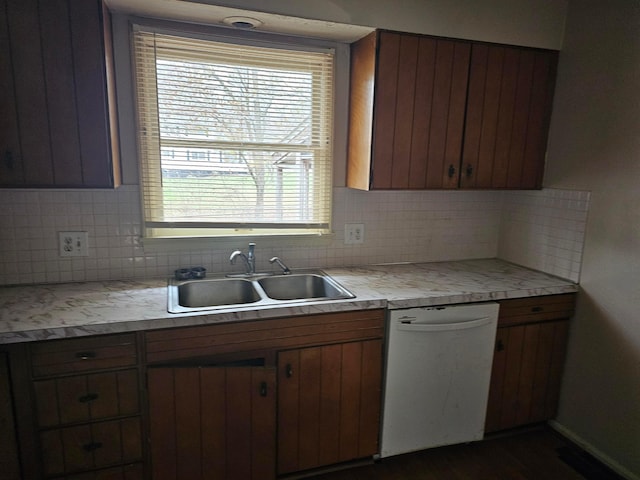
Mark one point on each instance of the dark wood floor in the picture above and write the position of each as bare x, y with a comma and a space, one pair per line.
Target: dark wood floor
530, 455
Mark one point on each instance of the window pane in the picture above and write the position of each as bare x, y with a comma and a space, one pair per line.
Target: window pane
233, 135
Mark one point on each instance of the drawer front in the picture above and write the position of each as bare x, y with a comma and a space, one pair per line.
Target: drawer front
92, 446
536, 309
293, 332
84, 398
57, 357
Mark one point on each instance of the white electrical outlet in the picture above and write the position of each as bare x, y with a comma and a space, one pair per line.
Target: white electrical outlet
74, 244
353, 233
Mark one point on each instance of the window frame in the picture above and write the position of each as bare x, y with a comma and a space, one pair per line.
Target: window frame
338, 142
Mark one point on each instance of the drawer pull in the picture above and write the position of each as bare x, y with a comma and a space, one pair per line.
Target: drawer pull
536, 309
289, 370
91, 447
85, 355
263, 389
89, 397
499, 346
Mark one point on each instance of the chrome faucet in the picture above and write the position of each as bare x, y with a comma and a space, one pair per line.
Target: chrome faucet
249, 259
284, 268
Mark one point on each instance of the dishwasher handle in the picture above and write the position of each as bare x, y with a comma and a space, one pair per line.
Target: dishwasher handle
415, 326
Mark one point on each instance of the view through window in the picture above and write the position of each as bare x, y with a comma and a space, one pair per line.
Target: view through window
234, 139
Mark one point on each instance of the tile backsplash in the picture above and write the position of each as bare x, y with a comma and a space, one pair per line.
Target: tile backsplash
542, 229
545, 230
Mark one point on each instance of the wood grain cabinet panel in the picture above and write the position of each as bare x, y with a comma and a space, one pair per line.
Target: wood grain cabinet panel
507, 119
407, 111
59, 357
91, 446
86, 398
58, 127
212, 422
328, 404
528, 361
435, 113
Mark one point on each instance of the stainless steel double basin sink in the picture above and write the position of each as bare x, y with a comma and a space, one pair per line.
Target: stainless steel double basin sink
252, 291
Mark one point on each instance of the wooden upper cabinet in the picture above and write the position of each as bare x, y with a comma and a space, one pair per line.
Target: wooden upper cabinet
507, 120
407, 111
433, 113
58, 125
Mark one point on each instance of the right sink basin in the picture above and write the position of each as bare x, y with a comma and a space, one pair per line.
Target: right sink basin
300, 286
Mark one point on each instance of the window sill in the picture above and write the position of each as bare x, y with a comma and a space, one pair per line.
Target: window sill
175, 244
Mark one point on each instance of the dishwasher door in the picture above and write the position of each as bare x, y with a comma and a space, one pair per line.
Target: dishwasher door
437, 377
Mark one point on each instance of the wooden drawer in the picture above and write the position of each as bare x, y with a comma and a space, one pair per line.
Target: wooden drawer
536, 309
92, 446
84, 398
201, 341
57, 357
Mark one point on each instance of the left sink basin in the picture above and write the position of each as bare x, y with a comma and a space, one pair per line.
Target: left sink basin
209, 293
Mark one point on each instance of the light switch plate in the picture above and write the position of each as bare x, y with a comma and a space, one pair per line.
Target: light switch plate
73, 244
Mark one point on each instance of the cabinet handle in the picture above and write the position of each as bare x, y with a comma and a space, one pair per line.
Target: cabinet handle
89, 397
288, 370
469, 170
8, 159
451, 171
90, 447
536, 309
85, 355
263, 389
499, 346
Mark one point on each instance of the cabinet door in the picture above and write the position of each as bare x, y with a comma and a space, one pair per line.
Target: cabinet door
212, 422
9, 462
526, 375
328, 404
508, 111
53, 87
420, 95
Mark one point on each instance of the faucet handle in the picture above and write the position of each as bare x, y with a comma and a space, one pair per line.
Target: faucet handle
284, 268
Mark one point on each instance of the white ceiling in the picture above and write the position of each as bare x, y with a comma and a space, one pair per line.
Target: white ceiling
198, 11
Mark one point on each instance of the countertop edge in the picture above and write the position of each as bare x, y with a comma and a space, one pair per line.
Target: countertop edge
46, 312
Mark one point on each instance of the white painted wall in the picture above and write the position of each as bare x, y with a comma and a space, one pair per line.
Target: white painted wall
536, 23
595, 145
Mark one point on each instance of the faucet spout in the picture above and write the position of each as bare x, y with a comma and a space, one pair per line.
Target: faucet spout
285, 269
249, 259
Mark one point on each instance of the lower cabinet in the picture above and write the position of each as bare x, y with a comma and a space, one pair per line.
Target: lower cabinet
328, 404
9, 461
528, 360
254, 400
80, 415
212, 422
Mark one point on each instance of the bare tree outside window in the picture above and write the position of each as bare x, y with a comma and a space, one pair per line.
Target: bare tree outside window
243, 134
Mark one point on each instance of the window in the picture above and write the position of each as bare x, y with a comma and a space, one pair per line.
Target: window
233, 139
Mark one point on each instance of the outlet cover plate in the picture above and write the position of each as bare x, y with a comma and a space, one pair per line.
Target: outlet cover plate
353, 233
73, 244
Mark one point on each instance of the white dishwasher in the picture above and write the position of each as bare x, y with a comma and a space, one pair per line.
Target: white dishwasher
437, 376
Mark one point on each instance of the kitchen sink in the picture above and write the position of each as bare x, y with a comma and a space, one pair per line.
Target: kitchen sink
303, 286
252, 291
216, 292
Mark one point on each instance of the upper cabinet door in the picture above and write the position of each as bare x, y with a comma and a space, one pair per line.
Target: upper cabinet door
408, 96
56, 130
507, 120
432, 113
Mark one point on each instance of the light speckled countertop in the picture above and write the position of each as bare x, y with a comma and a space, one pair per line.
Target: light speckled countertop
41, 312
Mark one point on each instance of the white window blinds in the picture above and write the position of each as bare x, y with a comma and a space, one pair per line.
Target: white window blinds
233, 139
